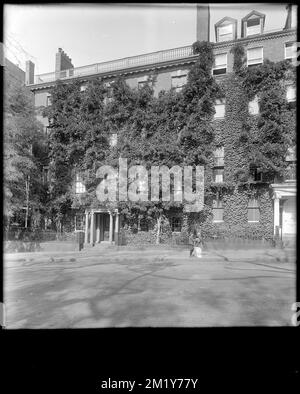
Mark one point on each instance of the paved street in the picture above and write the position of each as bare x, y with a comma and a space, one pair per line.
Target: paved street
120, 287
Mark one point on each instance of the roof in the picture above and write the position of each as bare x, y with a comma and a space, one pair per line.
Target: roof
226, 18
255, 13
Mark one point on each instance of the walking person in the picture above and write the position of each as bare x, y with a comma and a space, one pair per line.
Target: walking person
192, 240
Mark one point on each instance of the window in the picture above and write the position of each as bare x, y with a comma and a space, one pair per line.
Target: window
290, 50
47, 130
143, 81
176, 224
144, 225
79, 221
255, 174
225, 33
253, 106
178, 79
48, 100
218, 175
253, 210
253, 26
217, 210
45, 175
220, 64
219, 157
113, 139
79, 186
290, 171
220, 109
218, 170
291, 93
254, 56
109, 92
291, 155
141, 84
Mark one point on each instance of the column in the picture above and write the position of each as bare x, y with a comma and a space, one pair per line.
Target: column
97, 228
117, 229
276, 212
92, 229
110, 227
86, 234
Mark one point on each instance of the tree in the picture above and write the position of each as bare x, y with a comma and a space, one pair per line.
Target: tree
24, 154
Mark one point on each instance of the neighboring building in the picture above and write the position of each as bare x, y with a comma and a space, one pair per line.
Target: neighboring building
171, 67
14, 74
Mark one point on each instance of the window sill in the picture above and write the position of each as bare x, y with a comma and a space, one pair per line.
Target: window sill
253, 221
218, 221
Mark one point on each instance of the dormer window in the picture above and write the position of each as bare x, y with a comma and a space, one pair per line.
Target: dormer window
253, 24
226, 29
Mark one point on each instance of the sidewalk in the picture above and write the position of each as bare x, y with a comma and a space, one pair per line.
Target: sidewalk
229, 255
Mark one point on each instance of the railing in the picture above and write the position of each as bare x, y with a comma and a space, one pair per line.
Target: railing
120, 64
125, 63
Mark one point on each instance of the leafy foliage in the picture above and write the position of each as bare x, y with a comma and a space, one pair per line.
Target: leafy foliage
275, 134
25, 152
171, 129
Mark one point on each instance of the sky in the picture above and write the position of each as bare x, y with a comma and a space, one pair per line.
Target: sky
96, 33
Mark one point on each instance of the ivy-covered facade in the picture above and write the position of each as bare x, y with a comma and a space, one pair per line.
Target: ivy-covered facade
247, 98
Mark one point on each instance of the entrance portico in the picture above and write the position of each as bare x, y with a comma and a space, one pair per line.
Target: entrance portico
101, 225
285, 210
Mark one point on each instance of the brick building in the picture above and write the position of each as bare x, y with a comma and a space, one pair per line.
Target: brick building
275, 213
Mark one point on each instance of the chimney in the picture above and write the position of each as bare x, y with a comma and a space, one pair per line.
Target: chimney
29, 74
203, 22
291, 19
62, 61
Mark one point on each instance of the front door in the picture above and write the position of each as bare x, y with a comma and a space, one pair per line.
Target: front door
289, 217
105, 227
